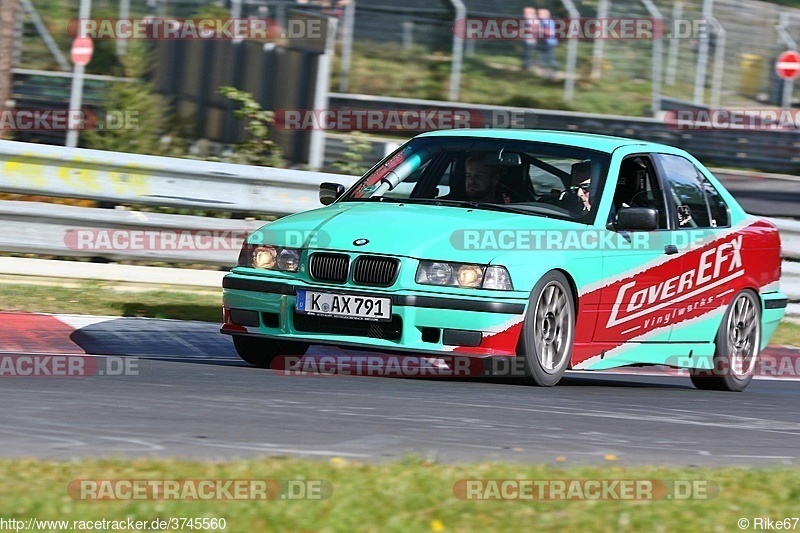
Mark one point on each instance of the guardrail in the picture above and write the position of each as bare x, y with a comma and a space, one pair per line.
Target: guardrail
769, 150
121, 235
157, 181
32, 227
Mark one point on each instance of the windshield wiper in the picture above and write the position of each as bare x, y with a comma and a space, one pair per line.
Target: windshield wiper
376, 199
505, 208
511, 209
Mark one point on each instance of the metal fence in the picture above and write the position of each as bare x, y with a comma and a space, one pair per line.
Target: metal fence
734, 68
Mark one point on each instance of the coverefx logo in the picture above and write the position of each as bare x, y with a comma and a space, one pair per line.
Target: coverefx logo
716, 267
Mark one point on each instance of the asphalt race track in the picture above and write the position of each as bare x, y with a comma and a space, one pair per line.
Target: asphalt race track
193, 398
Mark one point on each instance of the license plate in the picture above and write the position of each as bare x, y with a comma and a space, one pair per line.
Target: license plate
344, 305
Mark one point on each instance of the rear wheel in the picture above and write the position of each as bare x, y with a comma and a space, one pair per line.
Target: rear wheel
548, 330
261, 351
738, 342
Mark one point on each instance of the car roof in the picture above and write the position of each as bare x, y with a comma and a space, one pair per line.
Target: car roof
603, 143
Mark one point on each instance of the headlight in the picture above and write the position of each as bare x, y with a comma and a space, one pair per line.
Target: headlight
289, 260
463, 275
269, 257
497, 278
265, 257
438, 273
470, 275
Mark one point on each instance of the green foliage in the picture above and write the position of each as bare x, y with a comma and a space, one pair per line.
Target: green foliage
212, 11
258, 149
353, 158
137, 118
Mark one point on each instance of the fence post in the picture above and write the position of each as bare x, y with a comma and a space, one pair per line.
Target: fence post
347, 45
674, 43
702, 55
408, 34
719, 59
599, 44
458, 52
572, 55
316, 145
658, 53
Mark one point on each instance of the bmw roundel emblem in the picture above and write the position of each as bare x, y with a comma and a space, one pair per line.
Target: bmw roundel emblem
361, 242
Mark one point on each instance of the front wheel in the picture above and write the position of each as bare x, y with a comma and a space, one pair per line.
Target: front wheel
548, 330
738, 342
261, 351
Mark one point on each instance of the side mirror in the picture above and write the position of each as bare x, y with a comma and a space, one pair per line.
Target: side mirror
637, 219
330, 192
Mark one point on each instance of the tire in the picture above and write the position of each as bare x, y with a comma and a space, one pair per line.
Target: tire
738, 342
260, 352
548, 330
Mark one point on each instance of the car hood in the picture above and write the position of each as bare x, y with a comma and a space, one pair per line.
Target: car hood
419, 231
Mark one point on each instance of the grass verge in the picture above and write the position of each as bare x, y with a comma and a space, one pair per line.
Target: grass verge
96, 298
788, 333
407, 495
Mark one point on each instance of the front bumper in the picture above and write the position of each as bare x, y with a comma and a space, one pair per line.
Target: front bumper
773, 309
421, 321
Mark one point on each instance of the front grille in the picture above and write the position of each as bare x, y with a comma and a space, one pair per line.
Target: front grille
329, 267
353, 328
379, 271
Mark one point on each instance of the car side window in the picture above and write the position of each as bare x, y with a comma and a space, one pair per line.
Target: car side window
720, 215
697, 203
545, 182
638, 186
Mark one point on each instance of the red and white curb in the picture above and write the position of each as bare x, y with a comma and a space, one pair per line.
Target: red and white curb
36, 333
39, 333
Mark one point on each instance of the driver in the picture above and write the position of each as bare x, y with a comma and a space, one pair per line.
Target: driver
583, 194
581, 184
481, 180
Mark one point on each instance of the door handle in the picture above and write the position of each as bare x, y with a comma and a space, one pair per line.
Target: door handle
670, 249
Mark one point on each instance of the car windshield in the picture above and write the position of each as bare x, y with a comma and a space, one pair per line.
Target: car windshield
535, 178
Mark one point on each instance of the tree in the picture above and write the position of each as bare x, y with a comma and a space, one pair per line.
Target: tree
258, 149
141, 117
352, 160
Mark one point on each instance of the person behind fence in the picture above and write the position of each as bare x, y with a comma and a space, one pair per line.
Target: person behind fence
530, 30
546, 44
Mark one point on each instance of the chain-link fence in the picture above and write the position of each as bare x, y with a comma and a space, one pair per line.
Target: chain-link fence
732, 66
723, 58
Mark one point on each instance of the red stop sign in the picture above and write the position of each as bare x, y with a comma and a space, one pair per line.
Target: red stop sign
788, 65
82, 49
